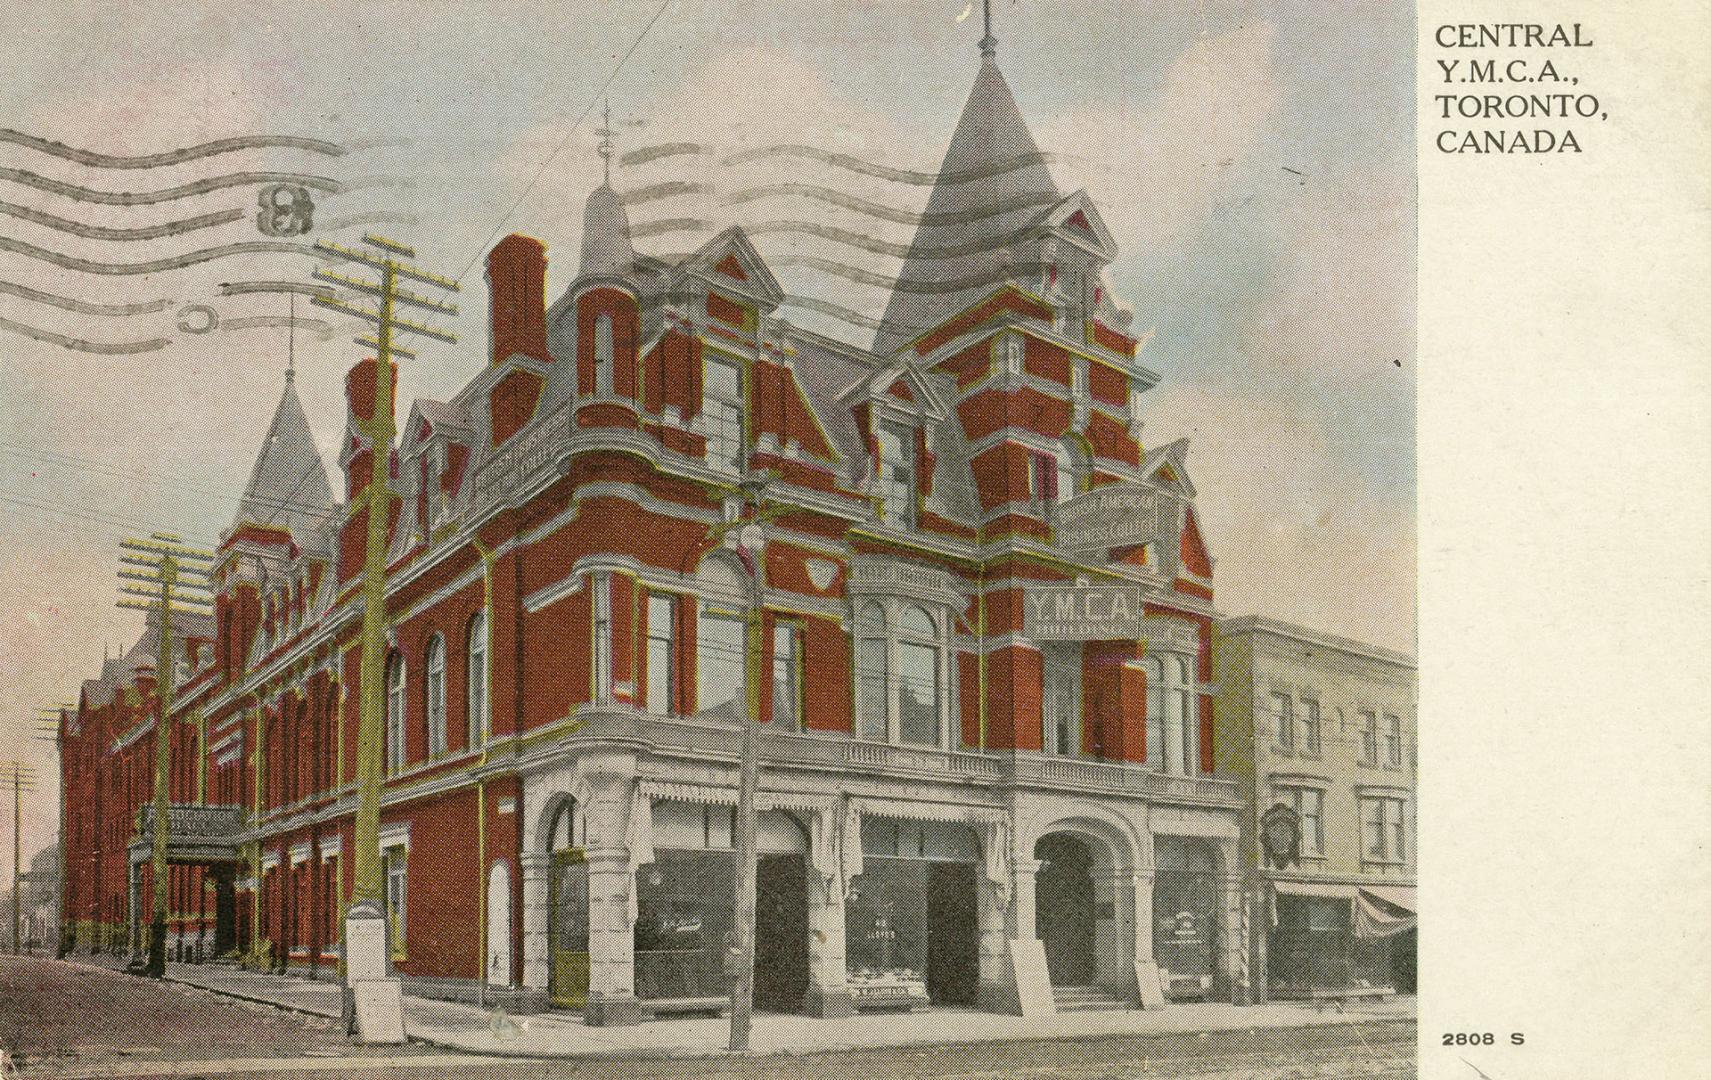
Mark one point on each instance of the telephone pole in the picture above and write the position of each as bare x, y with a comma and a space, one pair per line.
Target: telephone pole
364, 962
23, 778
50, 727
172, 580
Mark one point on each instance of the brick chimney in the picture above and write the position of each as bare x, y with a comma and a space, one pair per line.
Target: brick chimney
516, 287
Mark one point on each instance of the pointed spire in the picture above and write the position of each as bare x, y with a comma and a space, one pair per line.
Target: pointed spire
988, 44
992, 184
288, 486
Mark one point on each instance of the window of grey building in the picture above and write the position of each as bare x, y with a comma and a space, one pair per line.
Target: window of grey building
1283, 721
1393, 740
1368, 737
1310, 727
1383, 829
1309, 804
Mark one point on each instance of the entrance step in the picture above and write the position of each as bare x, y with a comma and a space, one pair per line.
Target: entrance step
1086, 999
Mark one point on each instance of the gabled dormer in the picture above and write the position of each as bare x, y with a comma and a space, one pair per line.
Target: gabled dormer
728, 283
898, 410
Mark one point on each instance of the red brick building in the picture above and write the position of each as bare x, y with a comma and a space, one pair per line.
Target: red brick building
952, 810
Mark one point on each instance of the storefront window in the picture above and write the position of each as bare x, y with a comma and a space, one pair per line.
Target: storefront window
1185, 905
684, 902
911, 917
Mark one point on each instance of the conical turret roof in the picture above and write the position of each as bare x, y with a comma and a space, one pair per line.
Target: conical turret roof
288, 486
606, 250
992, 185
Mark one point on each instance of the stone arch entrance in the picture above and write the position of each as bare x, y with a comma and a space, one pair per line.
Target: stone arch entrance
1066, 909
1079, 897
568, 966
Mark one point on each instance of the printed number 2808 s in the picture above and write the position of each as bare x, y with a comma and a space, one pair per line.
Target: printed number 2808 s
1480, 1038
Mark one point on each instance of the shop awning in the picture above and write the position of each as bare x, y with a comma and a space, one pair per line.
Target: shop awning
1383, 911
1401, 896
1314, 888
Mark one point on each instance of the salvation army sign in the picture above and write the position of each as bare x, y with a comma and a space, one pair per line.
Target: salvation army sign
1081, 612
1116, 515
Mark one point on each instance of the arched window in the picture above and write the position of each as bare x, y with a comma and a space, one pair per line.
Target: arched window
567, 829
476, 679
436, 696
1061, 700
872, 670
721, 687
1074, 467
917, 678
603, 355
1155, 710
1183, 688
395, 714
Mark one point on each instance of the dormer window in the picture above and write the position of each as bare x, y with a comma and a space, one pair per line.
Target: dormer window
722, 393
603, 356
897, 475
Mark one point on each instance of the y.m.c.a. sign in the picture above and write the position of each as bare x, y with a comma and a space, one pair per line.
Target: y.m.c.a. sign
1081, 612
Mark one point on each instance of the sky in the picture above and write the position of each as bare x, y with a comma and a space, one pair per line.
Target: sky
1253, 160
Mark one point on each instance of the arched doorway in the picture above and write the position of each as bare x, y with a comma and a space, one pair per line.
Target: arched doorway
1066, 908
567, 908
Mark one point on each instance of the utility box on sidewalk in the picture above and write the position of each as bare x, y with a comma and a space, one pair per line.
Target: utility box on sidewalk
373, 998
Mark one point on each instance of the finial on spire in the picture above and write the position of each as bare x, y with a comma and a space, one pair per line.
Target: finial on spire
291, 342
605, 134
988, 44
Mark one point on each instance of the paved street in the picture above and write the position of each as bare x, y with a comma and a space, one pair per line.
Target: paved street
74, 1021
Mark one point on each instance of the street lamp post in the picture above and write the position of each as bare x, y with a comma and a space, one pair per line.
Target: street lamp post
751, 544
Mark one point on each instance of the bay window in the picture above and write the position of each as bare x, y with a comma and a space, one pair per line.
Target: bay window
1173, 724
901, 664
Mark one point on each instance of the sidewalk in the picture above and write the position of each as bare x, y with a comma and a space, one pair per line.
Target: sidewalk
563, 1035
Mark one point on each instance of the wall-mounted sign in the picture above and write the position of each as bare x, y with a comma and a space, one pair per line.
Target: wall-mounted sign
1280, 834
1081, 612
1117, 515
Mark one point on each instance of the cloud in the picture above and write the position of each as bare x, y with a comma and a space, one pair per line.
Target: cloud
1296, 533
1158, 166
1341, 302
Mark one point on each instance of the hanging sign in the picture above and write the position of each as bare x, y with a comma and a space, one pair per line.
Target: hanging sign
1117, 515
1081, 612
